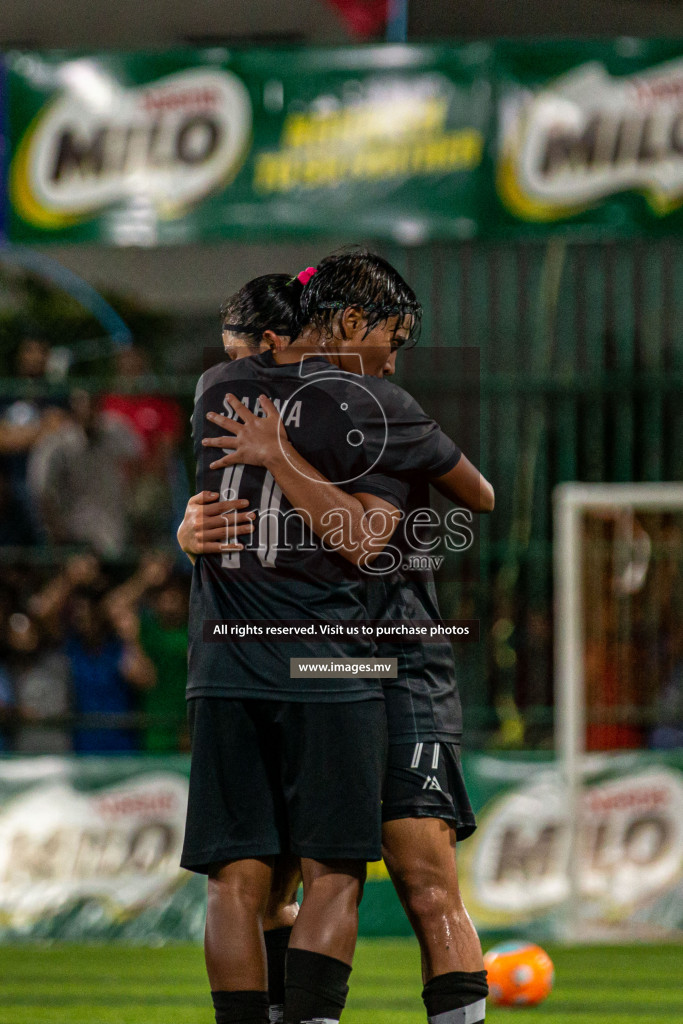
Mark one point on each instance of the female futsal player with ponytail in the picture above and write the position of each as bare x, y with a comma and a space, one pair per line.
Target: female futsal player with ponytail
420, 823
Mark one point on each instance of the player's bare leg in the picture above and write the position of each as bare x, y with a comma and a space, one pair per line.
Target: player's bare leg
280, 915
328, 918
282, 908
323, 940
233, 941
420, 857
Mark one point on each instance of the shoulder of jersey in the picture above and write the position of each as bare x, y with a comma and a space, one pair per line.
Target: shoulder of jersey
392, 399
227, 371
388, 394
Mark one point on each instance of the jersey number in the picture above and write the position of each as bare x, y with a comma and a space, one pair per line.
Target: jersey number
267, 521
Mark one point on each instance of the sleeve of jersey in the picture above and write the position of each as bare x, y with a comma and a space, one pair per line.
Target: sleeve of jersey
207, 380
389, 488
198, 392
413, 442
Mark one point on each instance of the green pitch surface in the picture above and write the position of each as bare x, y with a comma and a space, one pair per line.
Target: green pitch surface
117, 985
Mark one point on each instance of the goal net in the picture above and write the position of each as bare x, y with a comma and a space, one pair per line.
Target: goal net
618, 580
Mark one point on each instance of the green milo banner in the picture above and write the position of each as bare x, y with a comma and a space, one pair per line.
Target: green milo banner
403, 142
590, 135
89, 850
193, 145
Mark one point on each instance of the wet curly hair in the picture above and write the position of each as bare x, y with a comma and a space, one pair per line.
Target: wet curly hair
357, 277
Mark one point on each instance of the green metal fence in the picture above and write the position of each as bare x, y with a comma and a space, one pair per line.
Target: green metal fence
581, 350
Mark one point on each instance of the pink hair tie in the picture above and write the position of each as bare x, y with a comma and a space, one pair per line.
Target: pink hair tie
304, 276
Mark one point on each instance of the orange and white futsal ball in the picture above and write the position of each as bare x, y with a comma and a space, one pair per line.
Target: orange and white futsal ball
519, 974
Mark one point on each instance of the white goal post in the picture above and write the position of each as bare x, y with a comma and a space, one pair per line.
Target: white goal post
570, 503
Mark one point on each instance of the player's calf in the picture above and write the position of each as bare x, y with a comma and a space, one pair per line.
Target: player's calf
237, 899
420, 857
281, 913
323, 941
316, 987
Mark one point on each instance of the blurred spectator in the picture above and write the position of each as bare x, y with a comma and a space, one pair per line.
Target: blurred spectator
39, 673
23, 421
615, 566
163, 637
156, 419
15, 525
107, 663
667, 733
6, 688
78, 479
48, 605
160, 486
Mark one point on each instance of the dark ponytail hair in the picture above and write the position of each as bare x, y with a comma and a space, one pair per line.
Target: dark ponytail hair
357, 277
267, 303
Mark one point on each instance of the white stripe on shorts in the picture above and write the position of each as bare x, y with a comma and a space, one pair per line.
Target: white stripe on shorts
417, 754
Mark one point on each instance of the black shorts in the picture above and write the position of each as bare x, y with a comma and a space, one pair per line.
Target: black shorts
269, 777
425, 780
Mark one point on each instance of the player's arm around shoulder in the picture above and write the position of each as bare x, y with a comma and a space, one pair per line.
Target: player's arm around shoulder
356, 525
465, 485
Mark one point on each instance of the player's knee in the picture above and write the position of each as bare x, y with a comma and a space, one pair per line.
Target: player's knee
428, 902
339, 884
282, 896
428, 894
282, 908
281, 916
239, 889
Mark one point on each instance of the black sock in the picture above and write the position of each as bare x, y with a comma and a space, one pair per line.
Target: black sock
316, 987
240, 1007
446, 996
277, 940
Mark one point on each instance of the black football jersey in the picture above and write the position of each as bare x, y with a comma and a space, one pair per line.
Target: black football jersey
363, 434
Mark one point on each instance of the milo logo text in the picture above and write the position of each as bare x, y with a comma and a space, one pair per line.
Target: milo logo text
587, 135
161, 146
